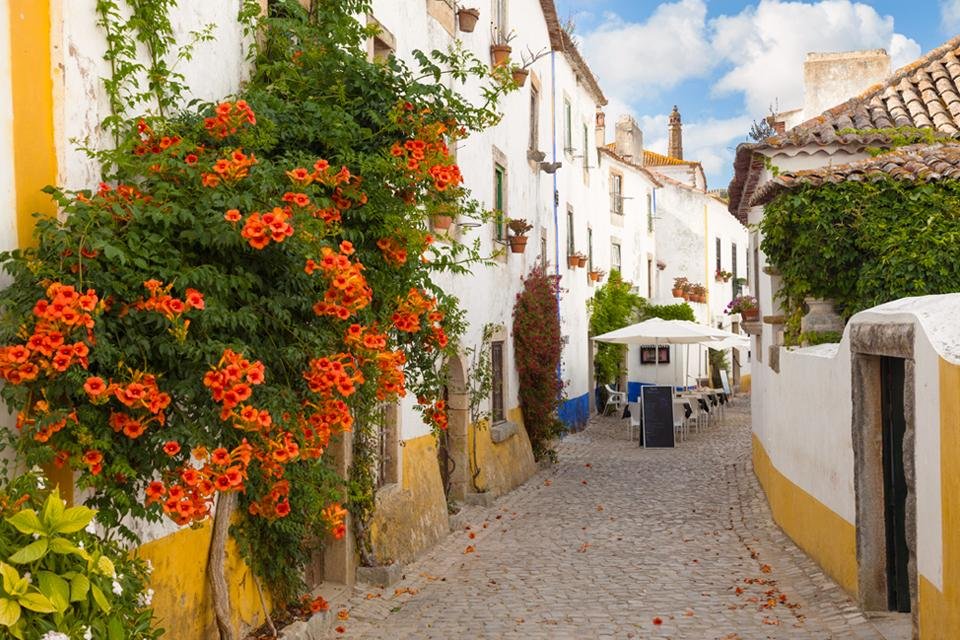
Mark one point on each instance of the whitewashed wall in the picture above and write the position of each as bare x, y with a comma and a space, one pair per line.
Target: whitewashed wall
216, 71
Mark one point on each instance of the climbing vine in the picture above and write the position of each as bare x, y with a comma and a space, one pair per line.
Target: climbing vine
863, 243
612, 307
251, 281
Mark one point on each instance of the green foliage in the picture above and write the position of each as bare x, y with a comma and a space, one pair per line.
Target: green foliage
60, 576
718, 363
895, 137
538, 348
612, 307
680, 311
316, 96
864, 243
811, 338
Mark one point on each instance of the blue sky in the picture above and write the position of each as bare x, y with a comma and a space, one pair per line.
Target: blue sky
726, 62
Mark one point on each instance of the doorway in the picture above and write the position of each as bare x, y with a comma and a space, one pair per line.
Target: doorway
894, 484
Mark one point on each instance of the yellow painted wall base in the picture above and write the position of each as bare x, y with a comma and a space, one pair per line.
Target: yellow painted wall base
745, 383
504, 465
181, 598
412, 516
940, 611
826, 537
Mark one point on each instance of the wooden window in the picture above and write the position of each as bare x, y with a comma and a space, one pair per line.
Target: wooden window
590, 248
544, 257
497, 411
388, 445
649, 213
616, 193
649, 278
500, 22
499, 200
568, 126
733, 268
534, 142
571, 248
586, 149
719, 268
615, 255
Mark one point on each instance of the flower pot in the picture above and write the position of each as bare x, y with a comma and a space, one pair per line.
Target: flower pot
821, 316
518, 244
594, 276
468, 19
677, 293
441, 223
582, 261
750, 315
573, 262
500, 53
686, 296
520, 76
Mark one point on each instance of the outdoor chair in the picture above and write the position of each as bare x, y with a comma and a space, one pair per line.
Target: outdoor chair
615, 399
635, 421
681, 418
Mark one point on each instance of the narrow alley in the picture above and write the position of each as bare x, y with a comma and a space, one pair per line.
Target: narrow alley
618, 542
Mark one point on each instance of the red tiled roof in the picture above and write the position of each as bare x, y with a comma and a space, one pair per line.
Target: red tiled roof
915, 163
924, 94
654, 159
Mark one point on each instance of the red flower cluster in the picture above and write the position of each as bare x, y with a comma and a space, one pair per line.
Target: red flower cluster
230, 385
150, 143
436, 415
63, 317
144, 402
393, 252
348, 291
338, 372
336, 516
391, 381
427, 156
163, 303
230, 118
260, 229
412, 308
275, 504
229, 170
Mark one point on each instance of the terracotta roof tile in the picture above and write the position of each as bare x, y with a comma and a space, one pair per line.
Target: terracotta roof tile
654, 159
923, 94
915, 163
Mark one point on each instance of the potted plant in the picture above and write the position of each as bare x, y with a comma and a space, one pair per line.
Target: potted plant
468, 19
581, 259
500, 49
679, 285
698, 293
596, 275
520, 75
723, 276
519, 227
746, 306
573, 260
441, 219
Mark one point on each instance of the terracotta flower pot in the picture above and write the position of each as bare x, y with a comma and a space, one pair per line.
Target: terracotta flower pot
573, 262
520, 76
501, 53
468, 19
518, 244
594, 276
750, 315
441, 223
677, 293
582, 261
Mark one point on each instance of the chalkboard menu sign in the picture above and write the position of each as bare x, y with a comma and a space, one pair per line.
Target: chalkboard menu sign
657, 416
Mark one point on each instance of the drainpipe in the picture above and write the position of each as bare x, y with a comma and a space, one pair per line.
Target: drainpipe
554, 195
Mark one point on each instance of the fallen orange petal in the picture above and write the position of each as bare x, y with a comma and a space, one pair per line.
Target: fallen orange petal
469, 549
343, 614
657, 621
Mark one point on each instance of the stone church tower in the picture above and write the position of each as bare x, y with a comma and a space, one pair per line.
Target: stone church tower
675, 144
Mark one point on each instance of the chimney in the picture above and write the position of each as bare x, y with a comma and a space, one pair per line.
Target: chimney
675, 143
629, 139
601, 130
830, 79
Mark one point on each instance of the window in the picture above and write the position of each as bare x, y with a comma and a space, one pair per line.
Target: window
570, 245
388, 443
616, 193
733, 268
615, 256
534, 142
586, 149
383, 45
649, 278
649, 213
568, 130
499, 201
589, 248
719, 268
499, 15
496, 398
544, 259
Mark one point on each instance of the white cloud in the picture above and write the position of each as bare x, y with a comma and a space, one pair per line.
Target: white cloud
767, 45
634, 59
950, 15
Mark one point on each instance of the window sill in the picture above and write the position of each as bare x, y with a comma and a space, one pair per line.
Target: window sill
502, 431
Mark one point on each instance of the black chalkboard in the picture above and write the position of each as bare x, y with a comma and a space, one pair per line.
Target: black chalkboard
657, 416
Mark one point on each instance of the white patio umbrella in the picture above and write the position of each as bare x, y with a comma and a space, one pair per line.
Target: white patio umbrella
659, 332
720, 339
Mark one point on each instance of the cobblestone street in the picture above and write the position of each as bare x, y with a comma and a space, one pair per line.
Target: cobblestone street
618, 542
